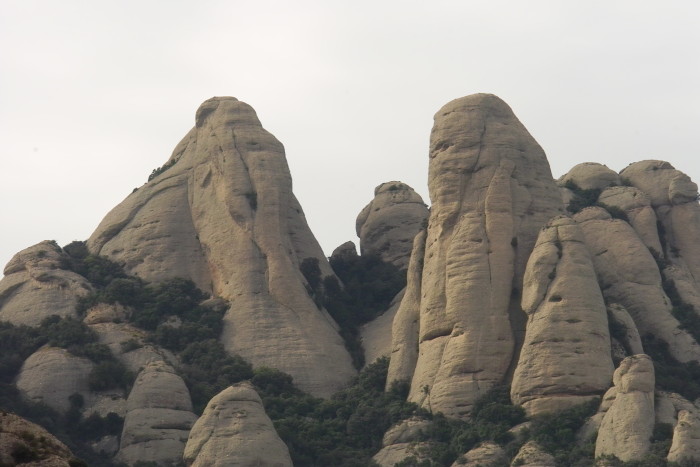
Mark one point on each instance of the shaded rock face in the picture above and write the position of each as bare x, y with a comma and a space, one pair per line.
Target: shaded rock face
18, 435
565, 359
158, 419
224, 216
674, 197
485, 455
50, 375
628, 275
402, 441
390, 222
491, 190
531, 454
627, 426
36, 286
376, 335
234, 430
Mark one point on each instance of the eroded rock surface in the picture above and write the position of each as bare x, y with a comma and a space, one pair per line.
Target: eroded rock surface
491, 190
402, 441
628, 275
234, 430
487, 454
390, 222
627, 426
19, 436
531, 454
223, 215
590, 175
50, 375
37, 285
565, 359
686, 437
158, 419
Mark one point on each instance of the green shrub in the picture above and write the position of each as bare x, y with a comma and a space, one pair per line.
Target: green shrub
110, 374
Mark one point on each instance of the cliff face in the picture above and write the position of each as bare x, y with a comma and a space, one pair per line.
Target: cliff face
491, 191
578, 290
224, 215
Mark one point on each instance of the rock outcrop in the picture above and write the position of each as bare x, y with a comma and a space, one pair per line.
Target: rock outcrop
37, 285
590, 176
234, 430
50, 375
487, 454
25, 443
390, 222
491, 190
223, 215
628, 275
686, 437
628, 424
403, 441
565, 359
531, 454
158, 419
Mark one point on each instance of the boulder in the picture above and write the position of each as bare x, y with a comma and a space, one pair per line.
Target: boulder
234, 430
25, 443
487, 454
531, 454
158, 419
223, 214
390, 222
37, 285
565, 359
628, 424
403, 441
50, 375
590, 176
491, 190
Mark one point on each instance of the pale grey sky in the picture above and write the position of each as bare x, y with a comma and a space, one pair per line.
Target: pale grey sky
95, 94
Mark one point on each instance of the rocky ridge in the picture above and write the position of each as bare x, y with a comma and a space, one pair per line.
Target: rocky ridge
577, 290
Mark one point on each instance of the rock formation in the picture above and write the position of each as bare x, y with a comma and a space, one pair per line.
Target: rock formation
158, 419
223, 215
36, 286
565, 359
629, 422
491, 190
485, 455
531, 454
51, 375
590, 176
628, 275
403, 441
234, 430
390, 222
25, 443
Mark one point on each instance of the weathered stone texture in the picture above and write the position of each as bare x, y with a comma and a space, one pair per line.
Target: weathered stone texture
389, 223
565, 359
628, 424
235, 431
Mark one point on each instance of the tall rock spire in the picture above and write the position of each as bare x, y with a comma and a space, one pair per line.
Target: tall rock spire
491, 191
223, 215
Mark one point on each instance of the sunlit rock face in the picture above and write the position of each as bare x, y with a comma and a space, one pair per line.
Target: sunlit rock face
390, 222
491, 191
566, 358
223, 214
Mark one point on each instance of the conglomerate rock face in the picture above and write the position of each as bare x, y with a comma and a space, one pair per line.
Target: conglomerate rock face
566, 358
224, 215
19, 436
158, 418
234, 430
37, 285
491, 190
390, 222
627, 426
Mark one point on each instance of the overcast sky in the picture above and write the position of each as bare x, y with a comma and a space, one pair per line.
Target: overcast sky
95, 94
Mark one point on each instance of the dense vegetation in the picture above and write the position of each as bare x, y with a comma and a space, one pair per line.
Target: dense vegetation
589, 197
368, 286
